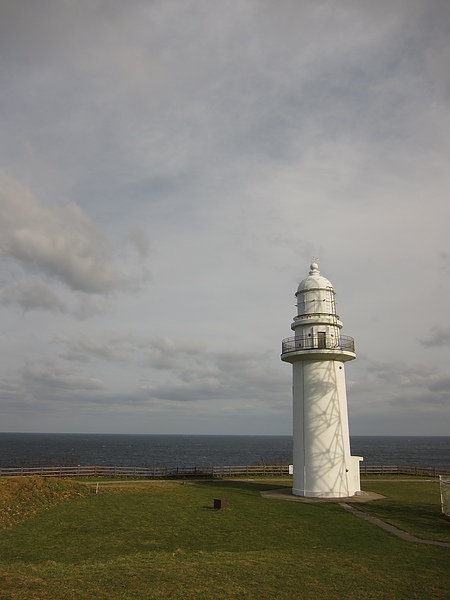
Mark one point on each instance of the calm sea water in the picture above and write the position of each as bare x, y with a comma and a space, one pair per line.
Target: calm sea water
39, 449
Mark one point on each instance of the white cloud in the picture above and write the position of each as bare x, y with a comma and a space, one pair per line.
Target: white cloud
59, 241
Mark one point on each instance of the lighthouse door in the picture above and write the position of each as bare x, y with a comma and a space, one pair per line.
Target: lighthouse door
321, 340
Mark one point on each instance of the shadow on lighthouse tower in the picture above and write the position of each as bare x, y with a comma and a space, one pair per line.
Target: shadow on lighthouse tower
323, 465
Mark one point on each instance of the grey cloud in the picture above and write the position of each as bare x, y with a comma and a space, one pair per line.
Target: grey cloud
140, 240
202, 374
41, 393
89, 306
183, 370
438, 336
37, 296
444, 262
31, 295
110, 348
166, 354
52, 378
59, 241
12, 392
441, 384
398, 386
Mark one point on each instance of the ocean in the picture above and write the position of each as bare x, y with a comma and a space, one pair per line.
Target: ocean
58, 449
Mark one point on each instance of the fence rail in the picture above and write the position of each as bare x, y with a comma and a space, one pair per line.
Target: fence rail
318, 341
182, 472
148, 472
402, 470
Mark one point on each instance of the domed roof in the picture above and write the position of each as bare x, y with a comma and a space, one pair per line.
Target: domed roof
314, 281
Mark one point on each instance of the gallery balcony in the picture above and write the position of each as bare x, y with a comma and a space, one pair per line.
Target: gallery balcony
319, 346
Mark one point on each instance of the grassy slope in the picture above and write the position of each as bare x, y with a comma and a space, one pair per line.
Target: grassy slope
22, 497
160, 540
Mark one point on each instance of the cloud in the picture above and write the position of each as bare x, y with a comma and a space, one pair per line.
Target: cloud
58, 241
47, 377
396, 388
112, 348
438, 336
195, 373
183, 370
31, 295
140, 240
230, 143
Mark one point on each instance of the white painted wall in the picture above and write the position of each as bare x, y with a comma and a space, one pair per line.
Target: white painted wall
323, 465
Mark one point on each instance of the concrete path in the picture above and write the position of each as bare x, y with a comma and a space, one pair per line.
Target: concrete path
390, 528
286, 494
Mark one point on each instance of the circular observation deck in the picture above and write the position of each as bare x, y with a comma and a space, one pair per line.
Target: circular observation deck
318, 347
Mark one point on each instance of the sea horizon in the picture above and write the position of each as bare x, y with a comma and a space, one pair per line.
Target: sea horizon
199, 450
431, 435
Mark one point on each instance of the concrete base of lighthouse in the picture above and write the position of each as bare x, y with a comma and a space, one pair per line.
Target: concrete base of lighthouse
323, 465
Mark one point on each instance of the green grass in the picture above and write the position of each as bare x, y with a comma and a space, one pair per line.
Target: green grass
164, 540
21, 497
413, 505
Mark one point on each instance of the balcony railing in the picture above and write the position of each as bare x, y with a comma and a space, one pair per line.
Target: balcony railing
318, 342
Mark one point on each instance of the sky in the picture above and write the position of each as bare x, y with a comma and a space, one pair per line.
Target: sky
168, 170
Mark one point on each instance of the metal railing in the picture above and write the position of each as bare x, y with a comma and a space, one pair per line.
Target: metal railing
318, 342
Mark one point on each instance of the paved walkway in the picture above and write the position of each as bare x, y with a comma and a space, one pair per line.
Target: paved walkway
390, 528
286, 494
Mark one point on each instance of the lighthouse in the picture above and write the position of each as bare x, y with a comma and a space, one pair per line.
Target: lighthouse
323, 465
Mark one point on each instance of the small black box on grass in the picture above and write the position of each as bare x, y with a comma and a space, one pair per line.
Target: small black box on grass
220, 503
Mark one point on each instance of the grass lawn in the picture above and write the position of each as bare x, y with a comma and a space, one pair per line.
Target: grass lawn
165, 540
412, 504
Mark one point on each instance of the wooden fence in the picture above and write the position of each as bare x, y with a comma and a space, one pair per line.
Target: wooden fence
148, 472
402, 470
182, 472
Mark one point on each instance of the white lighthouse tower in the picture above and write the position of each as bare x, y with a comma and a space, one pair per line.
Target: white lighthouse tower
323, 466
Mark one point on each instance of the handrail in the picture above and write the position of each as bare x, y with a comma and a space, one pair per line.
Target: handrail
318, 342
